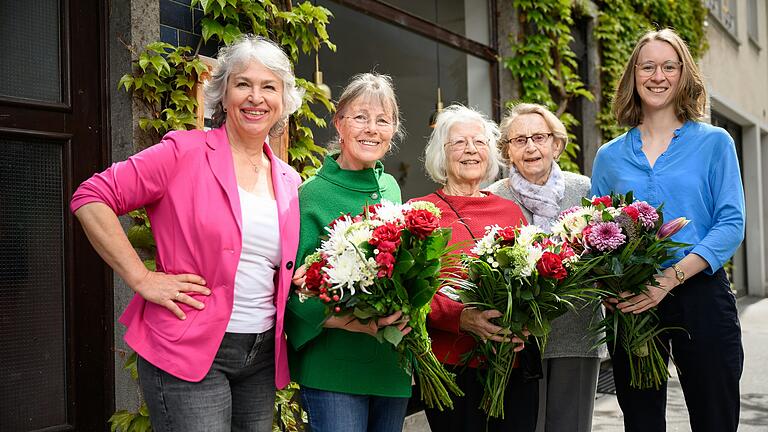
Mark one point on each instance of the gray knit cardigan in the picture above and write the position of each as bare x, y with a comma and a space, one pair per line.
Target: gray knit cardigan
571, 335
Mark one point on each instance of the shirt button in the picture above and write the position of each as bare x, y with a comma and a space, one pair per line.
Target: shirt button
375, 195
289, 265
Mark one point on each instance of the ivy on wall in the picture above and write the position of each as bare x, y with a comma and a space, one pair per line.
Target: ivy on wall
544, 65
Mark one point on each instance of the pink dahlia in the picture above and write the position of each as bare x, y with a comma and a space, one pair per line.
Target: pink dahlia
647, 214
606, 236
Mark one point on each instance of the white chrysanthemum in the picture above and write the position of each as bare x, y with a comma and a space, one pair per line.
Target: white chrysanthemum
527, 233
570, 226
487, 244
534, 255
348, 269
358, 233
391, 212
428, 206
337, 237
614, 211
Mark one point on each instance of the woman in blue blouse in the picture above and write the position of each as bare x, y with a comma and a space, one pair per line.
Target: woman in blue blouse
669, 157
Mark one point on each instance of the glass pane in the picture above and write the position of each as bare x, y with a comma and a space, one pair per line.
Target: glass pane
412, 61
32, 340
31, 49
468, 18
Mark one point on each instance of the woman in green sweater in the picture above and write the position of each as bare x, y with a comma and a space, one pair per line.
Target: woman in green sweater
349, 381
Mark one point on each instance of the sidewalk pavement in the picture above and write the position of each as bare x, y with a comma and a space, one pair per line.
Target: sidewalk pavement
753, 313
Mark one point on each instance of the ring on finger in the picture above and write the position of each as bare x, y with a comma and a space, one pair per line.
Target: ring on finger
176, 297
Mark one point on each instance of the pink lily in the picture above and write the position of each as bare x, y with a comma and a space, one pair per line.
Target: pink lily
671, 227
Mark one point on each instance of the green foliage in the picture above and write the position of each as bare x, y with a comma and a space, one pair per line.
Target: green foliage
128, 421
621, 23
544, 65
162, 78
288, 413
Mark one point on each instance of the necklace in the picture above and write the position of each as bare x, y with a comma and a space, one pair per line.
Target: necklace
460, 219
256, 166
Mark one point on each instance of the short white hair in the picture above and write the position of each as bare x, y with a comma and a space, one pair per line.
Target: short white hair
435, 158
245, 49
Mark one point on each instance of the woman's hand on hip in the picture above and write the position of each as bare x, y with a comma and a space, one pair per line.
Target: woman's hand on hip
168, 290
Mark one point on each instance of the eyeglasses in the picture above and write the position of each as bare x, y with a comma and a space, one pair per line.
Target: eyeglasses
461, 143
362, 120
668, 68
521, 141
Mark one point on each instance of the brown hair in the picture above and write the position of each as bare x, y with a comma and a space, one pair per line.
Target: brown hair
690, 99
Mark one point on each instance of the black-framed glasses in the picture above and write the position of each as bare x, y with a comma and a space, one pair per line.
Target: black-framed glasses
668, 68
538, 139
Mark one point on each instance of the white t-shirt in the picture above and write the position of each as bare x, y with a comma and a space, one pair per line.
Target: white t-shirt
254, 308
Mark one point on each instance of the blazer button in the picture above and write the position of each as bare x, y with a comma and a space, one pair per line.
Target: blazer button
375, 195
289, 265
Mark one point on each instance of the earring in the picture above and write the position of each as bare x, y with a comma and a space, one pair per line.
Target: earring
341, 140
224, 109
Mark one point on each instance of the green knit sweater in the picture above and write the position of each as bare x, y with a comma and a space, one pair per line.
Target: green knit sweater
333, 359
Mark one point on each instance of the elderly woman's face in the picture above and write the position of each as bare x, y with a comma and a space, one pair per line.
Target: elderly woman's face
466, 154
532, 159
253, 101
366, 131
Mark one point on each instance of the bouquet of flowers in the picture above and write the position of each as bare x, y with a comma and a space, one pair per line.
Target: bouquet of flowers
529, 277
384, 260
625, 243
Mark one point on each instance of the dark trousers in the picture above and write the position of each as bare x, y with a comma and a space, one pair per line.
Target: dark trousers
709, 359
521, 404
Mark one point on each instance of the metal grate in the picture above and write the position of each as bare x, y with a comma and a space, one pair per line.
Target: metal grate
32, 326
605, 382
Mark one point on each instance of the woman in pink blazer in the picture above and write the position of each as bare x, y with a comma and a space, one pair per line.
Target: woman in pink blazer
208, 324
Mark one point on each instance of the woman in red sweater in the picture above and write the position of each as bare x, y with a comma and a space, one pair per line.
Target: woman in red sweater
462, 154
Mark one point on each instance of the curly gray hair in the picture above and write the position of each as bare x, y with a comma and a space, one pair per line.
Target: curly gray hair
245, 49
435, 158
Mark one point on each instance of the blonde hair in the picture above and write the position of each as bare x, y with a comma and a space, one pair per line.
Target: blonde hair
691, 96
553, 123
435, 160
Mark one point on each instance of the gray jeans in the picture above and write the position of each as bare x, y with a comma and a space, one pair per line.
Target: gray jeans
237, 394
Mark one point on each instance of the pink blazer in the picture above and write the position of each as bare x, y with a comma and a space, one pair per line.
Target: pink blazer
187, 184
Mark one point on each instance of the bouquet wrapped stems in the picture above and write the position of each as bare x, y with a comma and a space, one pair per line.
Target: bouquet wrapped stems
435, 383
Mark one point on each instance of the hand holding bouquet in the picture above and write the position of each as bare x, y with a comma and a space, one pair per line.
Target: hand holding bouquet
383, 261
625, 243
527, 276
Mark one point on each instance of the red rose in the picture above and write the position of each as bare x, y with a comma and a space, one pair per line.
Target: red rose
315, 275
506, 234
551, 265
388, 232
631, 212
604, 200
386, 262
421, 223
387, 247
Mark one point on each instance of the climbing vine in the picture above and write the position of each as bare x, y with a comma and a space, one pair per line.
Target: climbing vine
545, 67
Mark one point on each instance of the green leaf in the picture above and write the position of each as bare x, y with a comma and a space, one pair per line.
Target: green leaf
391, 334
404, 261
421, 293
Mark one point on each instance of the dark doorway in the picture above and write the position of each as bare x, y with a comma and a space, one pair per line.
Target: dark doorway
56, 323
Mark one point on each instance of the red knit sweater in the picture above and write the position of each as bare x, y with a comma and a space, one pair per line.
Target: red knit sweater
448, 342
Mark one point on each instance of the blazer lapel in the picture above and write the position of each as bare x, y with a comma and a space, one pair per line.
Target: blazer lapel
281, 185
222, 165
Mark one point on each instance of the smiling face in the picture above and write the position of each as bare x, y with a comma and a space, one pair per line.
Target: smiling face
253, 102
365, 134
657, 91
534, 162
466, 161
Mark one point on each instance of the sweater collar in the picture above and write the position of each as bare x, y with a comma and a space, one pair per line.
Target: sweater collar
365, 180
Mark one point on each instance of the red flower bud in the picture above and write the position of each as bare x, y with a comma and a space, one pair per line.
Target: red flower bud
671, 228
337, 309
604, 200
335, 298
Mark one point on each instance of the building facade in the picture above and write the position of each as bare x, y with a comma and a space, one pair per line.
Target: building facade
62, 118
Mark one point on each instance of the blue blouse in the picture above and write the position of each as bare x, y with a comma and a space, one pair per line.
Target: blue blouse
697, 177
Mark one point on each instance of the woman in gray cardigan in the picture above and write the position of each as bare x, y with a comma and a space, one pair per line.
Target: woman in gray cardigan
532, 139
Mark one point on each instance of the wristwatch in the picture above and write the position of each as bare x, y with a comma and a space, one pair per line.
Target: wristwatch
679, 275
